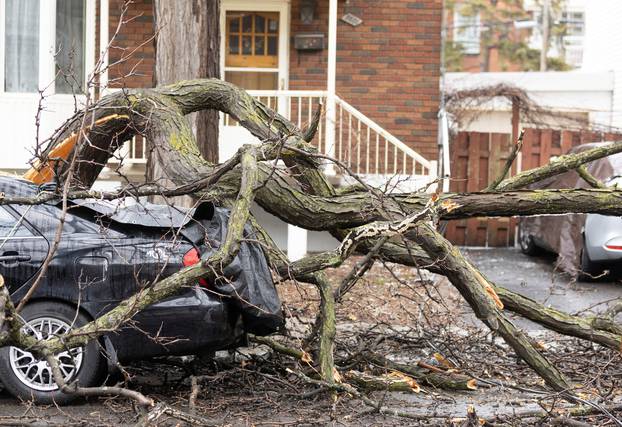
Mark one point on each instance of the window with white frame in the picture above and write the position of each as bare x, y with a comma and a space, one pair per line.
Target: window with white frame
466, 32
44, 45
574, 22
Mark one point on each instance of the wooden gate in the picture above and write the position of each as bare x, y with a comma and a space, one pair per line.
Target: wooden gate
477, 158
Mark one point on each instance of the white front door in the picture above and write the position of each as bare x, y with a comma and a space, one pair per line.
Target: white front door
254, 56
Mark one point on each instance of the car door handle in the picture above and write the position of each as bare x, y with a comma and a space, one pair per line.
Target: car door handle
14, 257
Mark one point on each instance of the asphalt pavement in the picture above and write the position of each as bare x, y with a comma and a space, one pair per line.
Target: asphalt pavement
536, 278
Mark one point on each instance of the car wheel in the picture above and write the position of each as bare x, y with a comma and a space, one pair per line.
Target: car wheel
527, 245
30, 378
590, 270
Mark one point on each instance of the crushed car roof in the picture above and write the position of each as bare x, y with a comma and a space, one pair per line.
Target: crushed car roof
123, 211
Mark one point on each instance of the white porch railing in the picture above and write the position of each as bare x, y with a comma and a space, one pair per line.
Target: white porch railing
360, 143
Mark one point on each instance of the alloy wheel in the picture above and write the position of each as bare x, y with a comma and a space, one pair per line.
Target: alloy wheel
36, 373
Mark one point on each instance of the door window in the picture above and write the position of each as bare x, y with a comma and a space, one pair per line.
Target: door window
9, 226
252, 39
252, 49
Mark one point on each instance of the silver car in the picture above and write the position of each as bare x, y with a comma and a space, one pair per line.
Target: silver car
602, 244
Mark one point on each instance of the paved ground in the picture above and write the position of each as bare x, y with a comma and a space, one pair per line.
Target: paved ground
535, 277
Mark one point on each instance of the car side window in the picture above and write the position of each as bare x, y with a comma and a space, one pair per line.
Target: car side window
9, 226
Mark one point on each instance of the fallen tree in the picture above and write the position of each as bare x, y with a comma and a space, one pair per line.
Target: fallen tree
391, 227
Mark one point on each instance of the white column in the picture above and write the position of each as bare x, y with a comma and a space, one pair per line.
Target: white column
47, 45
331, 80
89, 45
296, 242
104, 11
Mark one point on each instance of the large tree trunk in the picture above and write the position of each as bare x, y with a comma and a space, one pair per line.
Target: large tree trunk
188, 47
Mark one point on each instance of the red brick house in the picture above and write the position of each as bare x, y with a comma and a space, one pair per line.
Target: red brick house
375, 65
387, 67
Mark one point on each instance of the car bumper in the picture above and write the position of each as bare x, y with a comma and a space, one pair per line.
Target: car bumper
603, 238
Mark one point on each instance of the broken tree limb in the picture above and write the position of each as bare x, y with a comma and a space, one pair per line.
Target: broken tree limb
393, 381
587, 328
347, 388
278, 347
327, 330
471, 284
560, 165
443, 380
74, 388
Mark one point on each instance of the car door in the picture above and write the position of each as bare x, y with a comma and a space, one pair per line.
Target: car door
22, 249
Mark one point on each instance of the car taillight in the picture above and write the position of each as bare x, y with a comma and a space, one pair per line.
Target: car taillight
614, 247
193, 257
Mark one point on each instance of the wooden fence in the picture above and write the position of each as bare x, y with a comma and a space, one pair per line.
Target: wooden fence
477, 158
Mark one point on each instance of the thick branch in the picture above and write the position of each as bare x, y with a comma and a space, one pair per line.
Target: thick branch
560, 165
478, 293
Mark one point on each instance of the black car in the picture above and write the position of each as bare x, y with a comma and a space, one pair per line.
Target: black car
107, 253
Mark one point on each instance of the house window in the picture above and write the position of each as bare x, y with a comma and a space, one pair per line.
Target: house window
467, 32
21, 46
574, 23
28, 45
70, 28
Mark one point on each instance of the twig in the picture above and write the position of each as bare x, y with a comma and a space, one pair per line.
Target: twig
589, 178
508, 164
194, 392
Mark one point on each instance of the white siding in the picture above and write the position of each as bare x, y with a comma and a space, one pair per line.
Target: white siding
603, 46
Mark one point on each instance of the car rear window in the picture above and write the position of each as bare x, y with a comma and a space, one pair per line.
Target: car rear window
11, 226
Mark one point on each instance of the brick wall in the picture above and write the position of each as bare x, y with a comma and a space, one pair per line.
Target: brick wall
388, 67
135, 39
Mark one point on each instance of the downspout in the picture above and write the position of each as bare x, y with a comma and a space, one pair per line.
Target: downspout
444, 172
104, 10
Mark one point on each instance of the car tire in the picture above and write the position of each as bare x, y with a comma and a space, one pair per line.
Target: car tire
590, 271
29, 380
527, 245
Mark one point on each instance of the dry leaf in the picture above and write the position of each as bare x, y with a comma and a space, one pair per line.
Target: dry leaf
306, 357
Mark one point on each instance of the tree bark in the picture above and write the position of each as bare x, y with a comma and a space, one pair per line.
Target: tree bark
188, 47
306, 197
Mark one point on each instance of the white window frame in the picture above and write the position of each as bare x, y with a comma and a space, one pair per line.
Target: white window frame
471, 45
47, 42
